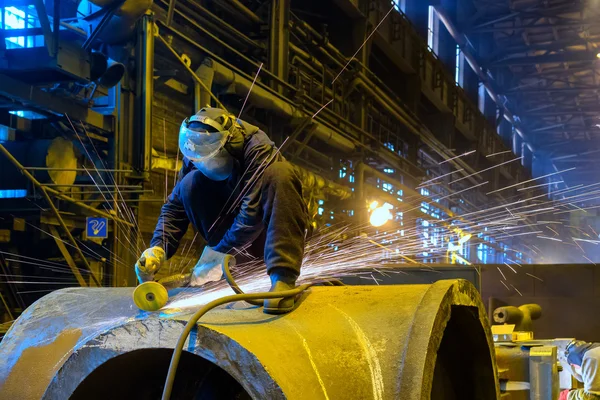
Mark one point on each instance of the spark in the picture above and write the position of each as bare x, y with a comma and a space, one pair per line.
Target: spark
507, 288
249, 91
534, 186
501, 273
511, 268
483, 170
453, 158
513, 286
530, 180
321, 109
363, 44
589, 260
439, 177
535, 277
549, 238
500, 152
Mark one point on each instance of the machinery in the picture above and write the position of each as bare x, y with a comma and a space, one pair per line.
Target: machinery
529, 368
347, 342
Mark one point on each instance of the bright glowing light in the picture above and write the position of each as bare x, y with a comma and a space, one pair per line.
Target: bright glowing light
373, 205
598, 55
459, 258
464, 239
381, 215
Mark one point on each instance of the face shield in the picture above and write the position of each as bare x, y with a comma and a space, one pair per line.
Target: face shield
205, 148
218, 167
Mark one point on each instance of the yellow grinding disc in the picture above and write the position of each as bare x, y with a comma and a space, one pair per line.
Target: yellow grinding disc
150, 296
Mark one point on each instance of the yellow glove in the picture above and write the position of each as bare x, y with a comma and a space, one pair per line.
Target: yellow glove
149, 263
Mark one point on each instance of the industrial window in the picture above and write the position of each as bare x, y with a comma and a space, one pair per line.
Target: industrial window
481, 98
458, 70
13, 193
400, 5
432, 30
20, 18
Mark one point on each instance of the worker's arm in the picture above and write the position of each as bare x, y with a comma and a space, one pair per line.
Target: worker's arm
173, 221
580, 394
247, 225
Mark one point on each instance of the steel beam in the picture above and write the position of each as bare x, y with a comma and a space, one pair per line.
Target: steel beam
67, 256
572, 56
36, 99
279, 41
65, 228
491, 29
553, 90
144, 90
562, 112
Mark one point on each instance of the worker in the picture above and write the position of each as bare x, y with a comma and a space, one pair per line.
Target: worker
584, 363
228, 161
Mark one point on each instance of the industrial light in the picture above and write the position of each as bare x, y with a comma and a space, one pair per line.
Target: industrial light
27, 114
13, 193
598, 55
380, 215
464, 239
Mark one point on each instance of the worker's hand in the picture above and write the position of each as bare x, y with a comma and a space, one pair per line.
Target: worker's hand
149, 263
209, 267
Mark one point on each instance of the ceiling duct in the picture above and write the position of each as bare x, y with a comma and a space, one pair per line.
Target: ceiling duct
120, 25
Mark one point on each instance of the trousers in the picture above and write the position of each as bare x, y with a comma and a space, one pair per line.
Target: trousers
277, 208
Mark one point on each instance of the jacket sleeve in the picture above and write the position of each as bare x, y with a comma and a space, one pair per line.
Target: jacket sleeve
247, 224
580, 394
173, 221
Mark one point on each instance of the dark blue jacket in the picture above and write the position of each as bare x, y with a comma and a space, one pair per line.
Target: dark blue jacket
253, 151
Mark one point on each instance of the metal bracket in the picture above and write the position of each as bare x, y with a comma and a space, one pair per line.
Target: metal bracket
67, 256
108, 12
51, 43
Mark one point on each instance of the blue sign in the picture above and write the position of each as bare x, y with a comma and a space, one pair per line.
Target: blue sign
96, 227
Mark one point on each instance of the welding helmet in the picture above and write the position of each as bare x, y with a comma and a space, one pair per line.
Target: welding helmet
202, 140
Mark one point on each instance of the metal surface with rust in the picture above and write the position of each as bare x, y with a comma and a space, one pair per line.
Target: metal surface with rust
351, 342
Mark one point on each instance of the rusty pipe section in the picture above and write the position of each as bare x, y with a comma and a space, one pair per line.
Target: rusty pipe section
408, 342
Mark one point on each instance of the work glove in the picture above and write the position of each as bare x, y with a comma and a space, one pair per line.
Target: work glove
149, 263
209, 267
564, 395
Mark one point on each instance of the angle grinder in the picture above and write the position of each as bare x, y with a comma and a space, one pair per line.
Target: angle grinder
152, 296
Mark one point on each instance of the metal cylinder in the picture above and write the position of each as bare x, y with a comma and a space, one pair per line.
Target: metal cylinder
353, 342
57, 156
522, 316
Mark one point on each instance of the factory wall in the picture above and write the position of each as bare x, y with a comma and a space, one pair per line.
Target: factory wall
569, 296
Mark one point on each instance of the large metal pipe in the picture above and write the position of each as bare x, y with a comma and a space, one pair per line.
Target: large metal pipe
264, 99
409, 342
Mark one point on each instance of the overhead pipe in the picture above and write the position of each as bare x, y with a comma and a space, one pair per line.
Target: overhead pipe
264, 99
385, 100
309, 179
119, 26
416, 128
246, 11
